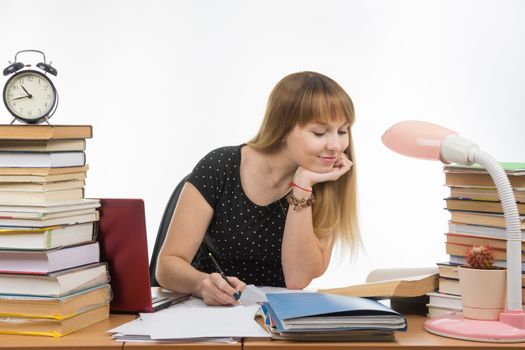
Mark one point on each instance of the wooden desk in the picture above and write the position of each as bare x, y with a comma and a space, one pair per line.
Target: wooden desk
96, 337
93, 337
416, 338
190, 346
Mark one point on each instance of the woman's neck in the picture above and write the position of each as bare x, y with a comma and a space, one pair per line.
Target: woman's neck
265, 177
279, 167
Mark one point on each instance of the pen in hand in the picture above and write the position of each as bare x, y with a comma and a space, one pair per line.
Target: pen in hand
236, 295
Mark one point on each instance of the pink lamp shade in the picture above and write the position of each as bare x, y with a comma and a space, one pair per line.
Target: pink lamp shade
416, 139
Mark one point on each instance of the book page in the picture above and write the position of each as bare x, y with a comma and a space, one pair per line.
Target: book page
406, 273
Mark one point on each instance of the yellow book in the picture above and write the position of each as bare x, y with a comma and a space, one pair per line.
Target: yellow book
47, 237
392, 283
58, 308
52, 327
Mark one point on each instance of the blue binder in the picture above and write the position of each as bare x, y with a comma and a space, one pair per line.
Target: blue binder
330, 312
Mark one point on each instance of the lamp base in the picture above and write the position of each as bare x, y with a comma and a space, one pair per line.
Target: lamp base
456, 326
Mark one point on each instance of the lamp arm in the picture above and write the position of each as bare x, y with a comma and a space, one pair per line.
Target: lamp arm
513, 227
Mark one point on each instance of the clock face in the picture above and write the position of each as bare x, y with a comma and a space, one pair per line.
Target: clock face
29, 96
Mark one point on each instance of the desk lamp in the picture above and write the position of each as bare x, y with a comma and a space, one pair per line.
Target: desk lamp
429, 141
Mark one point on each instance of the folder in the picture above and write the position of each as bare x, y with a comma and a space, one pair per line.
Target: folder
317, 312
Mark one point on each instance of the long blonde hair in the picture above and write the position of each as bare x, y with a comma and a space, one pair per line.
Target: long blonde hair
299, 99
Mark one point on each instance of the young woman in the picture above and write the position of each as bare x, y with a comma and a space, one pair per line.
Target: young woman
271, 210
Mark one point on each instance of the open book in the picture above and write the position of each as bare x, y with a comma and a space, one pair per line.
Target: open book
392, 283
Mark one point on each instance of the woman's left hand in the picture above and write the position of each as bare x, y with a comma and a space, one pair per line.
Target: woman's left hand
307, 177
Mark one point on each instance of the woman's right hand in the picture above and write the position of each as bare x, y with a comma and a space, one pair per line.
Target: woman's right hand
308, 178
214, 290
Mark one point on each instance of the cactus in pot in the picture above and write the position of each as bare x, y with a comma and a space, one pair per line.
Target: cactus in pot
482, 284
480, 257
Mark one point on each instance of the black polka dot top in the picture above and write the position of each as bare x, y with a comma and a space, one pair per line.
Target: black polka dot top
244, 237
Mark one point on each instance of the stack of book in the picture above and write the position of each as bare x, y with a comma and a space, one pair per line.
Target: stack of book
323, 317
476, 219
51, 279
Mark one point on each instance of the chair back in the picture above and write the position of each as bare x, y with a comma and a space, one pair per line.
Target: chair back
163, 229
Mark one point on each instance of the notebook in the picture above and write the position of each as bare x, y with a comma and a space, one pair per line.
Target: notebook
124, 246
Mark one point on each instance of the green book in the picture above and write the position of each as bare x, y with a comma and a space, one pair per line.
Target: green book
510, 167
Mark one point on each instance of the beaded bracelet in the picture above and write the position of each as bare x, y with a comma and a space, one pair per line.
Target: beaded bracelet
299, 204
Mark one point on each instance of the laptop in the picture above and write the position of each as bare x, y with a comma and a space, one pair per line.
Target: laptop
124, 246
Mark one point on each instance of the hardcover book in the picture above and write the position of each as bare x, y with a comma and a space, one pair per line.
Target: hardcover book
43, 145
40, 209
42, 159
43, 262
46, 216
511, 168
484, 219
76, 217
42, 179
52, 327
32, 197
480, 180
484, 193
460, 260
479, 206
42, 171
479, 231
437, 311
41, 187
44, 238
45, 132
471, 240
55, 284
445, 300
461, 249
58, 308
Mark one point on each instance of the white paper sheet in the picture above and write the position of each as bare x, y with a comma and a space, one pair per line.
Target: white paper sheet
193, 320
211, 321
134, 327
253, 295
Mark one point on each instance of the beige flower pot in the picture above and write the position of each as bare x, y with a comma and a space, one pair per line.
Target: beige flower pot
483, 292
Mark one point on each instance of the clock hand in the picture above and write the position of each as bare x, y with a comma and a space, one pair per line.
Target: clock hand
18, 98
28, 94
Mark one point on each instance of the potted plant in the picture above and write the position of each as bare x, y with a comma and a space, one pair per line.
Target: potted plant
483, 285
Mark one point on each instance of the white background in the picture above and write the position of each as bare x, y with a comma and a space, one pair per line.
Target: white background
164, 82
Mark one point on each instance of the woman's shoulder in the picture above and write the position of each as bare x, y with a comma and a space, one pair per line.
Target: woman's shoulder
223, 155
214, 170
